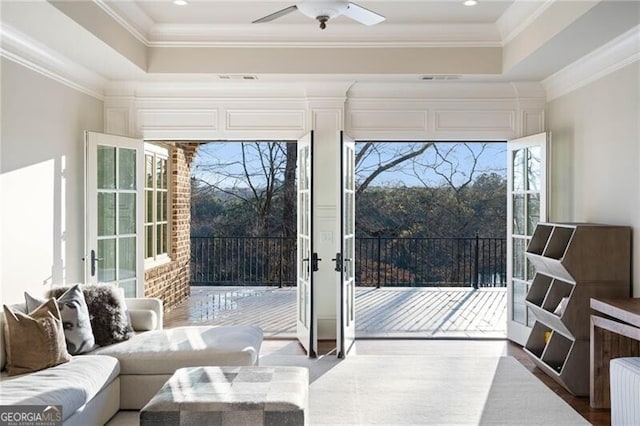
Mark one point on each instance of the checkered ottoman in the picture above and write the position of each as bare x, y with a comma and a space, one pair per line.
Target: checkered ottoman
225, 396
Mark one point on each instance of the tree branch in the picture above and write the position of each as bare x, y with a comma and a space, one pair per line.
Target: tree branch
384, 167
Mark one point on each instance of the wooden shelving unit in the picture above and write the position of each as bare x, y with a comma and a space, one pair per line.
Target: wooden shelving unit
574, 262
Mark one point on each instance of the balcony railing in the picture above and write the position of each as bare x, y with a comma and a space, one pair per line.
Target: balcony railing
380, 261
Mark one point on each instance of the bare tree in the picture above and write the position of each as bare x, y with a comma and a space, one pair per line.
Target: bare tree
375, 158
255, 178
457, 166
289, 198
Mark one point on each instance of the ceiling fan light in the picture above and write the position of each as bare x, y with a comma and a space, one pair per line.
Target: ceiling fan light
331, 9
470, 2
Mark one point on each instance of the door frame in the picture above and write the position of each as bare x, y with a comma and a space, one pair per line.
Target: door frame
306, 331
345, 262
516, 331
92, 140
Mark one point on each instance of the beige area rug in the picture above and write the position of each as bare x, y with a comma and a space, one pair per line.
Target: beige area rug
428, 390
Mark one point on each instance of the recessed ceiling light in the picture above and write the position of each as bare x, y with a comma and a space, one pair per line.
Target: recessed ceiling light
184, 2
470, 2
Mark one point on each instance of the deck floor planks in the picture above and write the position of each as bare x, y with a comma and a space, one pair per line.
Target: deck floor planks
428, 307
383, 312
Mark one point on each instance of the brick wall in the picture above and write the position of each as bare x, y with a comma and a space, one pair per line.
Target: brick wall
170, 281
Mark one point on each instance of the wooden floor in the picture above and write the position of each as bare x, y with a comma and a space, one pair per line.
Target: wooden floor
385, 312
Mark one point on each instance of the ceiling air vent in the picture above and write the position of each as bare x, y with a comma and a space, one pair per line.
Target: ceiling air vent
237, 77
439, 77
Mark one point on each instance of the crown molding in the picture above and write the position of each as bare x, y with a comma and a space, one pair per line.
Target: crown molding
303, 35
138, 23
142, 27
618, 53
39, 58
519, 16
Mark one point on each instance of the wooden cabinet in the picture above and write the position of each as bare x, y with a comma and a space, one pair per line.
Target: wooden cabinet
574, 262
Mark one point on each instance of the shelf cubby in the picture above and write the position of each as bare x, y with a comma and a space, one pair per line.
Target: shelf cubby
539, 288
557, 291
539, 239
558, 242
537, 341
556, 351
574, 262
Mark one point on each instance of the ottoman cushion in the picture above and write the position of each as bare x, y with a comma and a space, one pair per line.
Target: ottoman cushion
230, 396
164, 351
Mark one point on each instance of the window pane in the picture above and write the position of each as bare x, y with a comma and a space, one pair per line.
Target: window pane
106, 167
518, 214
127, 213
531, 270
518, 258
533, 212
148, 238
534, 161
519, 307
127, 258
161, 199
518, 170
107, 266
531, 318
106, 214
129, 287
165, 247
127, 169
159, 238
148, 171
148, 213
161, 171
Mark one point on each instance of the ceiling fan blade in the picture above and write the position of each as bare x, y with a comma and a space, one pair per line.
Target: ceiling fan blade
276, 15
363, 15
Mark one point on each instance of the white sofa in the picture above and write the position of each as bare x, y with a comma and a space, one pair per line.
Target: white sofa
93, 387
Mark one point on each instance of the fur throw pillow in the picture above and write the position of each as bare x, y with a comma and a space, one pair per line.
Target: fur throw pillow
108, 312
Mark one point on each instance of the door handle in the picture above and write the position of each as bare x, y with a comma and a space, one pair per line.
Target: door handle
314, 262
94, 261
338, 260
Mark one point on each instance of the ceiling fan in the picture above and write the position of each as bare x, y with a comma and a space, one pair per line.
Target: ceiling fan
323, 10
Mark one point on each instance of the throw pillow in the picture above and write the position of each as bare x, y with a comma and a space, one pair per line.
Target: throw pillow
35, 341
108, 312
75, 319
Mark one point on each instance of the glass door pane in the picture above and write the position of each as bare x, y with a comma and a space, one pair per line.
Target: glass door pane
527, 207
113, 206
304, 276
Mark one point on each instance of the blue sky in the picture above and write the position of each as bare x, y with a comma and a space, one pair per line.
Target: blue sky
454, 160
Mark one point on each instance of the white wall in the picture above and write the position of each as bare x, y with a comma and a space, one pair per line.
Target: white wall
41, 176
595, 175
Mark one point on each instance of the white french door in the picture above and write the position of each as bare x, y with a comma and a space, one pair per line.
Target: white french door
306, 258
345, 260
526, 206
114, 233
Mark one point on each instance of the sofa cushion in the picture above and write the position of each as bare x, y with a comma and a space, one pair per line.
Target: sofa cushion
71, 385
75, 319
34, 341
164, 351
109, 319
143, 319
